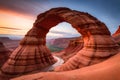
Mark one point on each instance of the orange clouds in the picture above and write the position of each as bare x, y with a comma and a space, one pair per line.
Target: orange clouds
12, 19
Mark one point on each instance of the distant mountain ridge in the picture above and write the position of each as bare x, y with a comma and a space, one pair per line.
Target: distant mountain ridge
53, 44
5, 39
12, 36
60, 42
9, 43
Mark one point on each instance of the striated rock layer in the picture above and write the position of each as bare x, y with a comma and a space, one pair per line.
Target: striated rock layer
73, 47
32, 53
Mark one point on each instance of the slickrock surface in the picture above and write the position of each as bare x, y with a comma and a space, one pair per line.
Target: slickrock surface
73, 47
107, 70
116, 35
4, 53
32, 53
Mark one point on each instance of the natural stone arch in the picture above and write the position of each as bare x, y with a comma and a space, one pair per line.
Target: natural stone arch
98, 43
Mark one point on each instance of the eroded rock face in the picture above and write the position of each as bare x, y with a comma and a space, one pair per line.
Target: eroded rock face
4, 53
60, 42
116, 35
31, 55
32, 52
117, 32
73, 47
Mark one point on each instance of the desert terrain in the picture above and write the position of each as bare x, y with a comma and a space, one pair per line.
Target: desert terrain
93, 56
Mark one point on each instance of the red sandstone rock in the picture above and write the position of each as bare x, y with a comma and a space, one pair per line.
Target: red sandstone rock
4, 53
60, 42
33, 54
116, 35
73, 47
117, 32
107, 70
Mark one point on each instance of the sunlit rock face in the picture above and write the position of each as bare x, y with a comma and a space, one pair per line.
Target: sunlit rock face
73, 47
116, 35
117, 32
33, 54
4, 53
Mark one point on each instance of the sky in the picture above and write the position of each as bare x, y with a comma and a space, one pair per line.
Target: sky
18, 16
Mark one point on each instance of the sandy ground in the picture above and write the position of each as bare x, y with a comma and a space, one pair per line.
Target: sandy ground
107, 70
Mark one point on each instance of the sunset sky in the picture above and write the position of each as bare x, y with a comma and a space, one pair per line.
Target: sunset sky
18, 16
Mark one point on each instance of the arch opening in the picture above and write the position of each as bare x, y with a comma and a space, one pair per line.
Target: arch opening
59, 37
98, 43
62, 30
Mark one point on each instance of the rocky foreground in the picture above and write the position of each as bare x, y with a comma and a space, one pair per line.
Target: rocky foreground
107, 70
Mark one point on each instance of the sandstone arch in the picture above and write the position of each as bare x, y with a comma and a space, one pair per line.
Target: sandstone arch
98, 44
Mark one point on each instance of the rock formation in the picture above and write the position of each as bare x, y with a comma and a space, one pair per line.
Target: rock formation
60, 42
4, 53
107, 70
33, 54
117, 32
73, 47
9, 43
116, 35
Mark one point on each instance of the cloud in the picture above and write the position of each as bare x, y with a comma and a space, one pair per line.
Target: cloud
98, 8
65, 34
10, 28
30, 7
59, 32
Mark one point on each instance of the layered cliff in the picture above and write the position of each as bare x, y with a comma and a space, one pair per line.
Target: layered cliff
4, 53
60, 42
9, 43
73, 47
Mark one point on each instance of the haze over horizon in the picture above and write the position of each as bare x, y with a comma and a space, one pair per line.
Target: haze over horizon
18, 16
